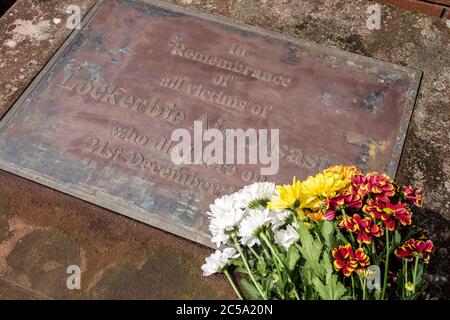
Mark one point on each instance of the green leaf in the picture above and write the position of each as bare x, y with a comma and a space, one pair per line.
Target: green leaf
292, 257
250, 292
268, 283
241, 270
331, 290
327, 231
326, 263
310, 248
238, 262
261, 266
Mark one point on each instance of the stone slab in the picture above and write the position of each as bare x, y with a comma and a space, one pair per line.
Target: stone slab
133, 47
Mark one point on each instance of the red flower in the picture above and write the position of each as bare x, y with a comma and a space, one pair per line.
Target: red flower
414, 195
385, 211
349, 224
364, 226
368, 230
380, 185
348, 201
348, 261
413, 248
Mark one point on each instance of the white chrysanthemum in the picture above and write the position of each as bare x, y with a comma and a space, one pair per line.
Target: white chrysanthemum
223, 205
255, 191
226, 221
217, 261
219, 237
286, 237
219, 226
279, 218
251, 225
225, 215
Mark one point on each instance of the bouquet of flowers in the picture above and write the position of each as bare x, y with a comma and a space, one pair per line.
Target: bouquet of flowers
337, 235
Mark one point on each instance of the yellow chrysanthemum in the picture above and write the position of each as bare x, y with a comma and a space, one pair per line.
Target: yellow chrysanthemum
345, 171
319, 187
288, 196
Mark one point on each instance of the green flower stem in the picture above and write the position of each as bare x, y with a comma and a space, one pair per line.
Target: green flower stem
405, 272
295, 218
353, 287
340, 235
386, 266
278, 261
405, 264
254, 253
294, 288
415, 273
280, 277
272, 250
250, 273
344, 213
363, 284
277, 267
225, 271
269, 257
266, 252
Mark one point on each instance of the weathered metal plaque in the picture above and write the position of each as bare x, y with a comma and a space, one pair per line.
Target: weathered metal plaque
97, 122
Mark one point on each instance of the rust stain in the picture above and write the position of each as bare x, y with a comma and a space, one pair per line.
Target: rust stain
19, 229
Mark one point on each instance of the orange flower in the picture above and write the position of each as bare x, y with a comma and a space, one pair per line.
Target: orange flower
315, 216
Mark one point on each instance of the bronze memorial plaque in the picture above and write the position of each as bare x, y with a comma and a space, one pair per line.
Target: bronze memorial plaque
97, 122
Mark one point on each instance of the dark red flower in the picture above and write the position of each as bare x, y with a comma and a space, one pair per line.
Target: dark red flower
414, 195
348, 260
413, 248
365, 228
387, 212
379, 185
347, 201
349, 224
